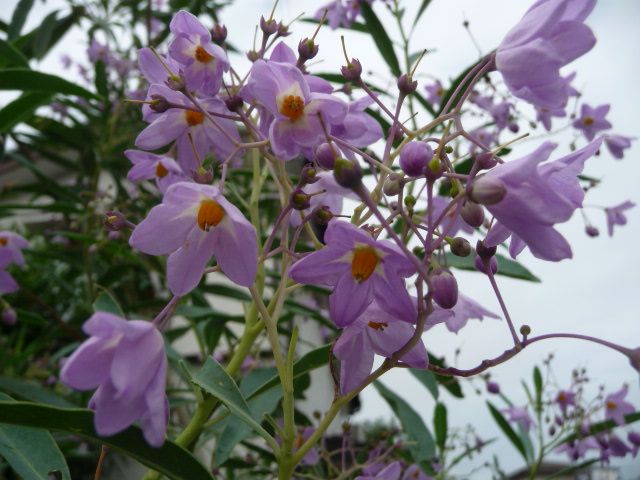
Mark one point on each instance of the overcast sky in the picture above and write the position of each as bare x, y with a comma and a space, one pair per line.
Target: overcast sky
596, 293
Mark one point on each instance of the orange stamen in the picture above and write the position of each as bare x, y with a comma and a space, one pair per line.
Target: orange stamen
210, 214
194, 117
378, 325
202, 55
364, 262
161, 170
611, 405
3, 241
588, 121
292, 107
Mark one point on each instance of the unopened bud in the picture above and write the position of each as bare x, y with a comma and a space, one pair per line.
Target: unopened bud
525, 330
406, 84
487, 190
218, 34
114, 221
514, 127
552, 431
233, 103
480, 264
308, 175
444, 288
485, 252
347, 174
9, 317
392, 185
203, 176
268, 27
307, 49
486, 160
325, 156
592, 231
460, 247
283, 30
299, 200
414, 157
410, 201
634, 438
322, 215
352, 71
159, 103
252, 55
472, 214
493, 387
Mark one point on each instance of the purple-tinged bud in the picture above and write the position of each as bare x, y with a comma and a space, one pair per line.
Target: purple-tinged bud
325, 156
233, 103
514, 127
308, 175
552, 431
485, 252
9, 317
175, 82
414, 158
493, 387
525, 330
487, 190
634, 358
283, 30
472, 214
592, 231
252, 55
406, 84
113, 236
114, 221
347, 174
460, 247
559, 421
486, 160
352, 71
444, 288
585, 429
322, 215
634, 438
307, 49
392, 185
218, 34
480, 264
268, 27
299, 200
159, 103
203, 176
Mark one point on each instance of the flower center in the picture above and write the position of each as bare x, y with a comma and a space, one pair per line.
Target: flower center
363, 264
161, 170
3, 241
292, 107
378, 325
202, 55
562, 398
588, 121
194, 117
210, 214
611, 405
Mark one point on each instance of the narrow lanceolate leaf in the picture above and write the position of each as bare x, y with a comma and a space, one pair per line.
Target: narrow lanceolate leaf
18, 18
440, 425
606, 425
21, 109
427, 379
213, 379
43, 36
106, 303
423, 7
32, 391
380, 37
419, 439
31, 452
170, 460
10, 56
506, 267
513, 437
537, 382
569, 471
23, 79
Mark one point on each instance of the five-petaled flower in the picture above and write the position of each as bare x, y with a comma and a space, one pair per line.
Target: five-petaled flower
615, 407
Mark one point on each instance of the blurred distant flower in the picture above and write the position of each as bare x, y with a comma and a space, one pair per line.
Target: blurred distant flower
616, 216
616, 407
592, 120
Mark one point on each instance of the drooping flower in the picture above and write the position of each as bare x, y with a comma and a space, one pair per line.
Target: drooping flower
617, 144
435, 92
340, 13
126, 361
592, 120
519, 415
564, 399
360, 269
193, 223
285, 94
7, 282
13, 244
149, 166
550, 35
457, 317
538, 197
616, 216
615, 407
576, 449
203, 62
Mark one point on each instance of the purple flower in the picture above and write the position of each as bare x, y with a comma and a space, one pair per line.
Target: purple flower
414, 472
550, 35
7, 282
13, 244
374, 332
126, 361
340, 13
519, 415
283, 54
452, 222
615, 215
153, 69
285, 94
390, 472
193, 223
592, 120
576, 449
358, 127
615, 406
564, 399
435, 92
538, 197
312, 457
500, 113
617, 144
146, 166
98, 51
360, 269
458, 316
544, 115
203, 62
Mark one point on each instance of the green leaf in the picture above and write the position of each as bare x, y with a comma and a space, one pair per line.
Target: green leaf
604, 426
508, 431
31, 452
506, 266
18, 18
420, 441
43, 35
106, 303
101, 78
27, 80
451, 384
440, 425
380, 37
11, 56
170, 460
537, 382
428, 379
568, 472
423, 7
21, 109
213, 379
32, 391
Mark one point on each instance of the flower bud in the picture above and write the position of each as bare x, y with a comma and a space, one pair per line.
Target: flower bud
347, 174
268, 27
9, 317
592, 231
392, 185
487, 190
233, 103
485, 252
299, 199
460, 247
175, 82
308, 175
352, 71
486, 160
444, 288
634, 358
406, 84
514, 127
325, 156
307, 49
283, 30
203, 176
634, 438
160, 104
525, 330
322, 215
493, 387
114, 221
552, 431
218, 34
472, 214
410, 201
480, 264
414, 158
252, 55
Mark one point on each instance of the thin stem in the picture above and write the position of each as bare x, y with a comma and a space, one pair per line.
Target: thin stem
503, 306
